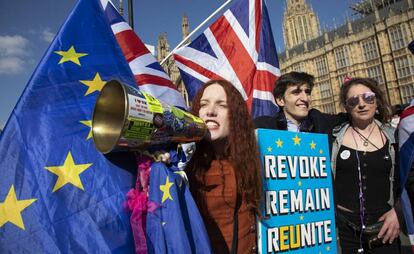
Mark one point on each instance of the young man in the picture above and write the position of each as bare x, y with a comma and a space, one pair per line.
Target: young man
292, 93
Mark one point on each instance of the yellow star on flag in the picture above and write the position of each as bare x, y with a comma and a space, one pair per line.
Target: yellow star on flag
89, 124
279, 142
301, 217
269, 148
312, 145
166, 190
328, 248
68, 173
11, 209
300, 183
296, 140
70, 55
94, 85
321, 151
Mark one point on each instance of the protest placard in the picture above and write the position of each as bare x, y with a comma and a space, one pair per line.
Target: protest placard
298, 206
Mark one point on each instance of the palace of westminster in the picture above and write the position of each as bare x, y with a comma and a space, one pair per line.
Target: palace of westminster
373, 45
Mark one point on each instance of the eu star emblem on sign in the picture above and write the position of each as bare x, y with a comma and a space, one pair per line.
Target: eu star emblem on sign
297, 192
58, 194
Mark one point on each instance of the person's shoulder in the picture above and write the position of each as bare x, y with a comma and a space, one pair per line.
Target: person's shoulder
315, 113
265, 122
389, 131
386, 126
324, 122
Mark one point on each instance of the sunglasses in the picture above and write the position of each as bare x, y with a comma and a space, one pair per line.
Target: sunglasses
367, 97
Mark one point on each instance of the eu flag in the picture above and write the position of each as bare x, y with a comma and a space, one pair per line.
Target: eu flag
58, 194
176, 226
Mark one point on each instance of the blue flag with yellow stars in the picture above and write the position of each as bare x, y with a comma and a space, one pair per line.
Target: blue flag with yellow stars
58, 194
176, 226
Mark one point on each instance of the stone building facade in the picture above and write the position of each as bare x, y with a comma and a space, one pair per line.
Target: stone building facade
374, 45
163, 49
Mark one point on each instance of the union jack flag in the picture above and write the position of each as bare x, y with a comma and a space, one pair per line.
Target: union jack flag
149, 75
238, 47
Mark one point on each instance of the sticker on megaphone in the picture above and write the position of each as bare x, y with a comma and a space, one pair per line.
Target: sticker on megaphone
126, 118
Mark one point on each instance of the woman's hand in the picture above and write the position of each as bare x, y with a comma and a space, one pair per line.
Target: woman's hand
163, 157
391, 227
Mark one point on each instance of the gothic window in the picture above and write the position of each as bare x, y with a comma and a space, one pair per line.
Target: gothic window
375, 72
341, 55
341, 78
321, 66
398, 37
369, 47
293, 33
300, 28
299, 67
325, 88
407, 92
404, 66
306, 30
328, 108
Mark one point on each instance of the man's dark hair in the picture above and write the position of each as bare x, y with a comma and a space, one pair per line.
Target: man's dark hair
291, 79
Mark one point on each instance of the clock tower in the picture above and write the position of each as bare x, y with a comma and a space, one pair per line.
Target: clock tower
300, 24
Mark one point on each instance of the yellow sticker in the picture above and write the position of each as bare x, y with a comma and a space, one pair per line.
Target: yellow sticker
177, 112
154, 104
138, 129
195, 118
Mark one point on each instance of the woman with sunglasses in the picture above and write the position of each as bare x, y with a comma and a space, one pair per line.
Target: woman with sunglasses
363, 164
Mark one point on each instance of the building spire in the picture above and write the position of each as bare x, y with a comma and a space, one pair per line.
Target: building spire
185, 26
121, 8
163, 48
300, 23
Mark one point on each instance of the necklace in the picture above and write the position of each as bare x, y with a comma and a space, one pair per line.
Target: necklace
361, 196
365, 140
386, 156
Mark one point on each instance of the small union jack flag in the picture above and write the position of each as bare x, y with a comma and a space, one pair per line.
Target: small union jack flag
149, 75
238, 47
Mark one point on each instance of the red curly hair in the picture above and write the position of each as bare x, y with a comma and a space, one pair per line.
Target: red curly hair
241, 148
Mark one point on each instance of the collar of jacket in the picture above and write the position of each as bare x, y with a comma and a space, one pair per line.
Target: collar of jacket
281, 123
385, 127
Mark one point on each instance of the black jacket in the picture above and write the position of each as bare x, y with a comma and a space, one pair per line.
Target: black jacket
316, 122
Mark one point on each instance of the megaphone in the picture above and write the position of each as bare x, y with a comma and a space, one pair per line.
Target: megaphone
127, 119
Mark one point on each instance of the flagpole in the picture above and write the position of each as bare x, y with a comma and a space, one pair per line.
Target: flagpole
130, 14
195, 30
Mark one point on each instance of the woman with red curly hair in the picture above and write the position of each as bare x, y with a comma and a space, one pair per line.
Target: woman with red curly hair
224, 172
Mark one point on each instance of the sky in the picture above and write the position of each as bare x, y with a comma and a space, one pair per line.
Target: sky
27, 27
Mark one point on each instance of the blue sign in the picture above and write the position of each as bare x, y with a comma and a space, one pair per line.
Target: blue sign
298, 204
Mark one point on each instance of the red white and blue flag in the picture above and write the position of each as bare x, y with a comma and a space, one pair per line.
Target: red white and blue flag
149, 75
406, 142
238, 47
